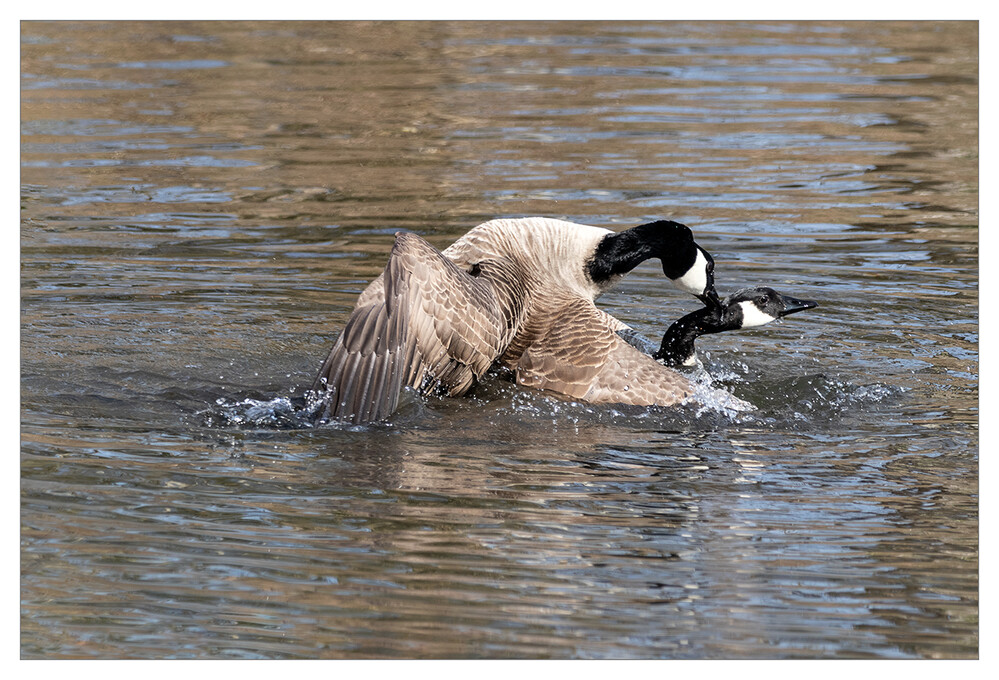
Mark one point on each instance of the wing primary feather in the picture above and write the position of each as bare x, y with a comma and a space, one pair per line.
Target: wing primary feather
424, 322
345, 388
361, 405
377, 383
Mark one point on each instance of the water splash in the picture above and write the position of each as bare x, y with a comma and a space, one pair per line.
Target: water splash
723, 396
276, 413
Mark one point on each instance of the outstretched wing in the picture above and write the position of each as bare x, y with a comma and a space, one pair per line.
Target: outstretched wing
423, 323
583, 357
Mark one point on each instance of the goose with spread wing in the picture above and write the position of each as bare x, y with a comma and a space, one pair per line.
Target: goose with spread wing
517, 293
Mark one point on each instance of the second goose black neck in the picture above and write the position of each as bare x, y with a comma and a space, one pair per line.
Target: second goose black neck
678, 342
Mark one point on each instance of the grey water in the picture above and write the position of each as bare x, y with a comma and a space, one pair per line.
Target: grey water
201, 203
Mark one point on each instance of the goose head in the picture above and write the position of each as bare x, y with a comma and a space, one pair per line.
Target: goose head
687, 265
751, 307
747, 308
696, 277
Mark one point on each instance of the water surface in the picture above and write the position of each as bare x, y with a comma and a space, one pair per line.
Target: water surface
202, 202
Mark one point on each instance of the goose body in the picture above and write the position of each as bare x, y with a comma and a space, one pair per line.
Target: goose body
517, 293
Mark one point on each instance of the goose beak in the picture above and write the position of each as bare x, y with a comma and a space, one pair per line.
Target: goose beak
710, 298
792, 305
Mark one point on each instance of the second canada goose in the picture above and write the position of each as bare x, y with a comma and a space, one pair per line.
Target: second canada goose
746, 308
517, 292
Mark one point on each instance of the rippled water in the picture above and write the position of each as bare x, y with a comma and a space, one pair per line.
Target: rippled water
202, 202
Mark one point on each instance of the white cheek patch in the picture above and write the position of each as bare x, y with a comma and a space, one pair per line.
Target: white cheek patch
752, 316
696, 277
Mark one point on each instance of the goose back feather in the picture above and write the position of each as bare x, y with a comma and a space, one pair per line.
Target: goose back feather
583, 357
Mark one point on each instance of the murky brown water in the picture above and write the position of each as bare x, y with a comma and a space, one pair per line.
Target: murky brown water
202, 202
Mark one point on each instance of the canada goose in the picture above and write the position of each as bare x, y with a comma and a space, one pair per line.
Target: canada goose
517, 292
747, 308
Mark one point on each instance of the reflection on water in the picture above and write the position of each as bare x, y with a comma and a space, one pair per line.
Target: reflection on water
202, 202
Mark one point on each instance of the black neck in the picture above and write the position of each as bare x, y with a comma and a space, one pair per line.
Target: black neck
678, 342
620, 253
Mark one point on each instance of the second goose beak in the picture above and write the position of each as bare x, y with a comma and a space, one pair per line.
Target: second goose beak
792, 305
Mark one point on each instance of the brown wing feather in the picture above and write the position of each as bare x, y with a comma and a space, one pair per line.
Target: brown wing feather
582, 357
424, 323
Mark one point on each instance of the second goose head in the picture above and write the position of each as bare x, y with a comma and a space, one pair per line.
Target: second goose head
746, 308
686, 264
